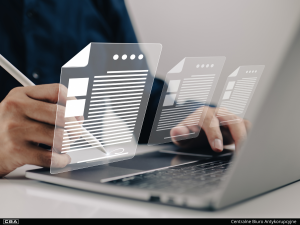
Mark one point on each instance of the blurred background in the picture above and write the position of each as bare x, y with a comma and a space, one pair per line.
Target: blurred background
246, 32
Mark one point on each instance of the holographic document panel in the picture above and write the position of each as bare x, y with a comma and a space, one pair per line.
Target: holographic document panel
103, 97
237, 94
189, 86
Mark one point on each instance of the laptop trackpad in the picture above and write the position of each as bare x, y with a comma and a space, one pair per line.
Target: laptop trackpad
154, 160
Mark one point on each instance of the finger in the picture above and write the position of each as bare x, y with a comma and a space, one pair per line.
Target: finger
227, 138
63, 139
63, 121
210, 125
60, 160
48, 92
63, 146
237, 129
47, 112
178, 134
37, 132
80, 119
40, 157
72, 135
61, 142
247, 125
181, 132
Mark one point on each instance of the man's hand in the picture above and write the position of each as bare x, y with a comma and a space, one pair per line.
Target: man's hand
211, 133
27, 117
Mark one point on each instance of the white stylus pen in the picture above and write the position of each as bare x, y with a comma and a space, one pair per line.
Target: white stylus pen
26, 82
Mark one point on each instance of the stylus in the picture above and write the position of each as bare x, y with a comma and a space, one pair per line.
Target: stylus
5, 64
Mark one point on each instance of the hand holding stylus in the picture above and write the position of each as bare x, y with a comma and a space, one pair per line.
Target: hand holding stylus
26, 82
28, 117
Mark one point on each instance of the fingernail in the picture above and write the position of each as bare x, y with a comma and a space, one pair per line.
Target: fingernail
218, 145
179, 133
69, 157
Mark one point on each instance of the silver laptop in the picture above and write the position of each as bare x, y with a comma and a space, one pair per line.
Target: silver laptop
268, 160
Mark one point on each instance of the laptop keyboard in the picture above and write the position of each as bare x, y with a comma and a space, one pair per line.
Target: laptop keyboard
195, 178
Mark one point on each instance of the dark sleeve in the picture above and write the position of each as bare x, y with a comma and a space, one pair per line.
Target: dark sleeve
118, 20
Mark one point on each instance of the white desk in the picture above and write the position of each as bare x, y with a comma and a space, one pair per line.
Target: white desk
27, 198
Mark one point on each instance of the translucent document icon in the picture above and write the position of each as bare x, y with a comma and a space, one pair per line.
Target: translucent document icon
189, 85
237, 93
103, 97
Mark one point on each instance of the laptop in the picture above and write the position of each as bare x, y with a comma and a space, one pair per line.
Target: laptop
267, 160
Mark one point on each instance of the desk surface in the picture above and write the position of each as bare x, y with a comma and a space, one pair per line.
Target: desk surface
21, 197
